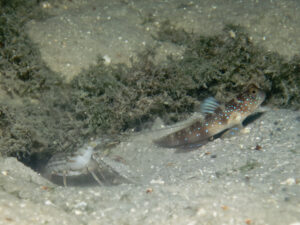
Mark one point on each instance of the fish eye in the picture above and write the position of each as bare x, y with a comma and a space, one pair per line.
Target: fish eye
253, 91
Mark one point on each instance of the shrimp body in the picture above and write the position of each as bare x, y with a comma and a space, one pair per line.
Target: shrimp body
84, 161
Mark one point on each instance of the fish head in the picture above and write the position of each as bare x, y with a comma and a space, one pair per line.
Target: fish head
244, 104
253, 97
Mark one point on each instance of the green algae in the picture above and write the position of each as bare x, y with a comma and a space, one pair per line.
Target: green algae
41, 114
220, 66
34, 107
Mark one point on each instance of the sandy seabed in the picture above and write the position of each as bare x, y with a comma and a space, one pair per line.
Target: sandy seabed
227, 181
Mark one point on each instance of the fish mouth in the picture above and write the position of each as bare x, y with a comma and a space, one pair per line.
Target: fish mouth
261, 96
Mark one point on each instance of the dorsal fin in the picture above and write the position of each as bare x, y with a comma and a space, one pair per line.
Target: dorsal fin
209, 105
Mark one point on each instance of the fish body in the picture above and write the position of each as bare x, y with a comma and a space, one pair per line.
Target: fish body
218, 118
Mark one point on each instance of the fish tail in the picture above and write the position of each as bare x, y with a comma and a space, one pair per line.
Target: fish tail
168, 141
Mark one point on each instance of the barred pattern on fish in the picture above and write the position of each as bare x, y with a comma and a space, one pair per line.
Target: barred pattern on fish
218, 118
